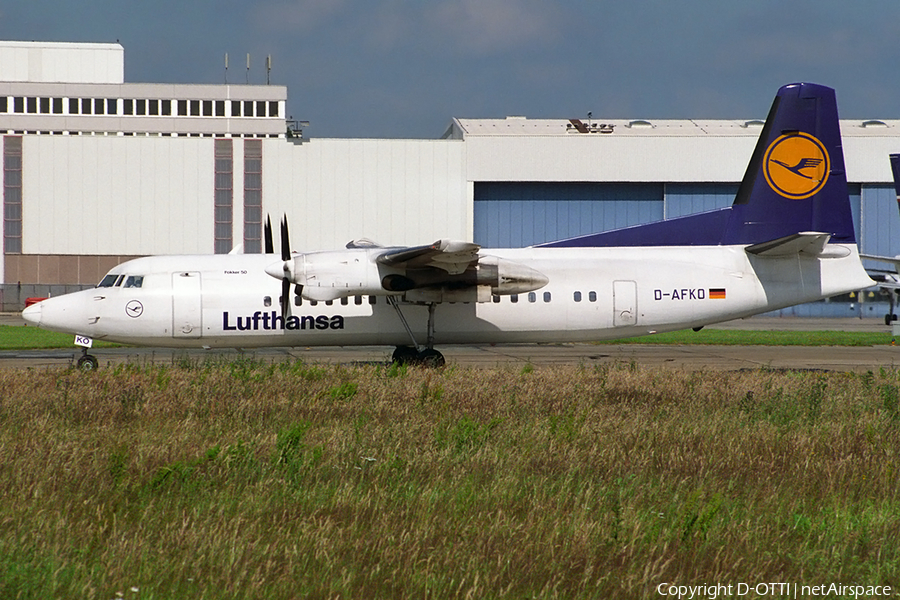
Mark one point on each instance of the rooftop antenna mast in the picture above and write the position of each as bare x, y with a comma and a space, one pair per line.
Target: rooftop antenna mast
268, 68
226, 68
248, 68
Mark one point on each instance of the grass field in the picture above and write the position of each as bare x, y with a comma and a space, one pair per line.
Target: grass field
245, 480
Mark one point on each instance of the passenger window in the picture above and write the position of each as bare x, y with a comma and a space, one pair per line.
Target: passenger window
373, 300
592, 296
108, 281
495, 299
298, 300
546, 296
134, 281
345, 301
577, 296
532, 297
357, 300
514, 298
267, 301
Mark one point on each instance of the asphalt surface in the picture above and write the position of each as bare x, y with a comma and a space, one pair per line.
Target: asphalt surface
830, 358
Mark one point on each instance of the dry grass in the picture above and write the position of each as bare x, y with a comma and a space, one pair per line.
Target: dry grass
246, 480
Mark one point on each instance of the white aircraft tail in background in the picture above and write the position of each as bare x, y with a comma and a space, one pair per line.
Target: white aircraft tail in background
889, 281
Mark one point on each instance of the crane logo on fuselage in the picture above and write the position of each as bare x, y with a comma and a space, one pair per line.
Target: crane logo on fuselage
271, 321
796, 165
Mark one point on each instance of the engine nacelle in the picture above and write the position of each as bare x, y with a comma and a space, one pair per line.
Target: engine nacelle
331, 275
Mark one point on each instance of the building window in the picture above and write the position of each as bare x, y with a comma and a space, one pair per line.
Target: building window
182, 108
31, 104
207, 108
224, 193
112, 106
220, 108
45, 105
195, 108
99, 104
12, 195
85, 106
140, 107
4, 104
128, 106
19, 104
252, 196
166, 108
153, 107
57, 106
248, 108
273, 108
235, 108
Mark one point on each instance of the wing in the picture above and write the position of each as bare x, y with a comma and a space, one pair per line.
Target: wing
448, 255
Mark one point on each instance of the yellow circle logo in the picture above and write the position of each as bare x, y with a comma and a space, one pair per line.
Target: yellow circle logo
796, 165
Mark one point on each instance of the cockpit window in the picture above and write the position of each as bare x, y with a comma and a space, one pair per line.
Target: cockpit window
134, 281
109, 280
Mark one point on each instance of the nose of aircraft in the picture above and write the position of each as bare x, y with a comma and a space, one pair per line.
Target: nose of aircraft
33, 313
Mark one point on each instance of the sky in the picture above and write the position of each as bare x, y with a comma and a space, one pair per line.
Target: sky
406, 68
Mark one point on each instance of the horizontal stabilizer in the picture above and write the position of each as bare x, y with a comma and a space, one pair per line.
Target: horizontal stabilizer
805, 242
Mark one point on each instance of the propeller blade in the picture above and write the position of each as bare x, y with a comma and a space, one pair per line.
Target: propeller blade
285, 240
285, 298
270, 245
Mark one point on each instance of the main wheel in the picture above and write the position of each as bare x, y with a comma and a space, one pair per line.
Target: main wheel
87, 363
431, 358
404, 355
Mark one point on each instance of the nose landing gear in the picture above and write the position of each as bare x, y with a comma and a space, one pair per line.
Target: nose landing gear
87, 362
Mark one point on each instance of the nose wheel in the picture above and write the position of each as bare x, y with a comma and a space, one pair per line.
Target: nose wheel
87, 362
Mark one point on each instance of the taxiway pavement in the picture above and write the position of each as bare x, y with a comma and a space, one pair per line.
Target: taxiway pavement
830, 358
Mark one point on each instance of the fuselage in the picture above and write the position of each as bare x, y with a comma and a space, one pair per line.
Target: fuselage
592, 294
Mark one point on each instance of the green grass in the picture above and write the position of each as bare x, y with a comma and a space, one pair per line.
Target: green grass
251, 480
732, 337
32, 338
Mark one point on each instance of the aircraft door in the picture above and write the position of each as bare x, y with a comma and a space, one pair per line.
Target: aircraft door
624, 303
186, 305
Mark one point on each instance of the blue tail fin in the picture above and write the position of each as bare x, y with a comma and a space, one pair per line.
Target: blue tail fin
895, 169
795, 182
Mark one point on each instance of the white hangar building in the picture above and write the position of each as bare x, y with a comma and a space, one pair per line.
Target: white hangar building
97, 170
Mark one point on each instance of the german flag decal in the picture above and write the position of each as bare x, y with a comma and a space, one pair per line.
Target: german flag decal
717, 293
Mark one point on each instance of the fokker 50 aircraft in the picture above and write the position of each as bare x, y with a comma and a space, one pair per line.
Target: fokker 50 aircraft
889, 281
787, 239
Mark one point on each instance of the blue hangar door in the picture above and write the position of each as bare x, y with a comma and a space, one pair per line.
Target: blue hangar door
518, 214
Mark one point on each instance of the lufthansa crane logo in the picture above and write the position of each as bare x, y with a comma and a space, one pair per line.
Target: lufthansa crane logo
796, 165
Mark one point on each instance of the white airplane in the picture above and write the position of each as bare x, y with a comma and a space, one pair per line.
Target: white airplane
787, 239
889, 281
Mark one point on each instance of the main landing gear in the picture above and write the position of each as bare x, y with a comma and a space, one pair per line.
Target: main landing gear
425, 355
890, 317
